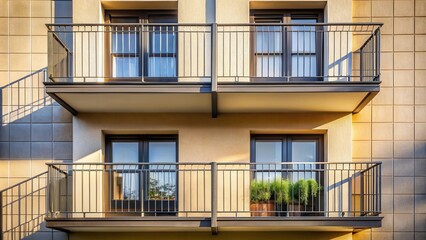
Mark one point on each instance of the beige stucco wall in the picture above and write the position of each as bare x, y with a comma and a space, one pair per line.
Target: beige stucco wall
204, 139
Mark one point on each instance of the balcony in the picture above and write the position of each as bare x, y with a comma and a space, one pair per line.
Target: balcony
214, 68
214, 196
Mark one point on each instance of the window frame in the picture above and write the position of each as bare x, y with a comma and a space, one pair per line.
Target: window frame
285, 16
144, 45
143, 141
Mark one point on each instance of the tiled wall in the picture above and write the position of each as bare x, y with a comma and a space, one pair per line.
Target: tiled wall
34, 129
392, 129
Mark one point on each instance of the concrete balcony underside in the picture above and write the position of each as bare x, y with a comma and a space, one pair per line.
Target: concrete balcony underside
175, 224
227, 98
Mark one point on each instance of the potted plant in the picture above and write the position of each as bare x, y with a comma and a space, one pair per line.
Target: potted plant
303, 194
281, 193
261, 204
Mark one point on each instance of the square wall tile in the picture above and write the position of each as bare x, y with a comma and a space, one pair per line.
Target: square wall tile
403, 203
420, 149
403, 95
41, 132
382, 149
403, 222
404, 167
20, 150
404, 149
20, 132
404, 185
403, 131
404, 8
420, 169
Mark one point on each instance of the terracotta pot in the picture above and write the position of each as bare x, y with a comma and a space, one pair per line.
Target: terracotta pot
263, 209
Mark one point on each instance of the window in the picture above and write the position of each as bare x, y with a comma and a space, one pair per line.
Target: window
125, 48
285, 51
272, 150
149, 51
293, 158
135, 185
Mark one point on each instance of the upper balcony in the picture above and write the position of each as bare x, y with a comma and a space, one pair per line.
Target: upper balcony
217, 68
292, 196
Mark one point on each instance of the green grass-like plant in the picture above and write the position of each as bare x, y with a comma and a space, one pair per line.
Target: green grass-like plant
260, 191
304, 189
281, 190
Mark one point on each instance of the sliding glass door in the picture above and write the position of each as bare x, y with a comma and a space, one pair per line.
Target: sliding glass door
143, 175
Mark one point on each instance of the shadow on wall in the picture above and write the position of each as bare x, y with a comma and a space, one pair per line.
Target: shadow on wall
24, 96
34, 130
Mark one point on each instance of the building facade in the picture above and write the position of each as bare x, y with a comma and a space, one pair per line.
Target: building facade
207, 119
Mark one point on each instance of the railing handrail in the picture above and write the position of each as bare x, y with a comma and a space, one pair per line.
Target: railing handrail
375, 163
376, 24
26, 180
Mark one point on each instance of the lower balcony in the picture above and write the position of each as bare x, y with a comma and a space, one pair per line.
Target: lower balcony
214, 196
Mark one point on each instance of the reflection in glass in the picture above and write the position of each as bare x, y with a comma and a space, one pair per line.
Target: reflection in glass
269, 52
125, 52
125, 177
162, 52
305, 151
162, 177
303, 49
268, 152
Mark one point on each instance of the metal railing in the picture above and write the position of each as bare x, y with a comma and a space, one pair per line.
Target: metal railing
214, 189
214, 53
132, 52
23, 208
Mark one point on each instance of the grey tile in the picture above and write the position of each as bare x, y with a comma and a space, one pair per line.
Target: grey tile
42, 115
420, 149
4, 150
4, 133
420, 204
20, 150
41, 132
387, 185
403, 222
404, 167
420, 185
20, 132
404, 185
404, 204
420, 222
387, 203
420, 235
387, 167
62, 150
420, 167
61, 115
62, 132
63, 9
404, 235
58, 235
41, 150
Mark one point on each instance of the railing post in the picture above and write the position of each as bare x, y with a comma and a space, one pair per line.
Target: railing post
48, 196
377, 33
361, 65
214, 69
1, 215
361, 208
214, 198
